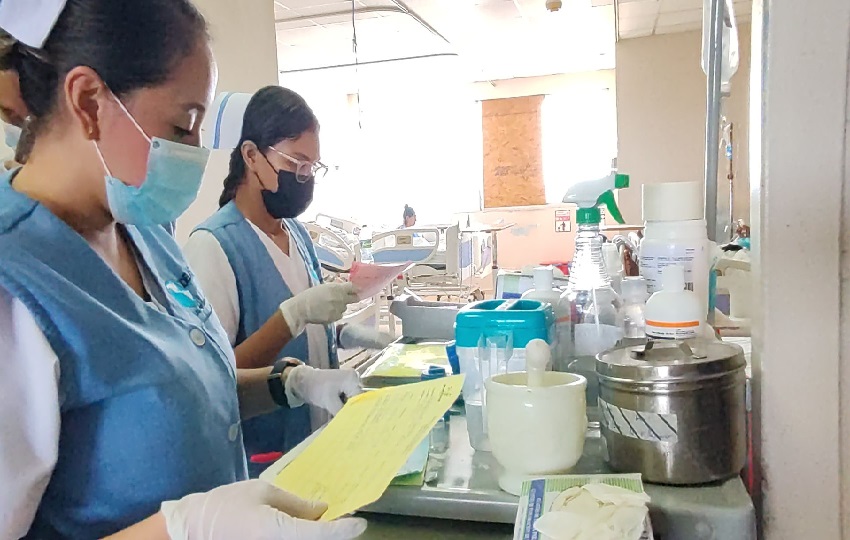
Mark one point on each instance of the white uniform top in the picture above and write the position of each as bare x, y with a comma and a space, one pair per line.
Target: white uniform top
29, 421
215, 275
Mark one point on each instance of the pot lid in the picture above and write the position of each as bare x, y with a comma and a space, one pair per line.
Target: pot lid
662, 361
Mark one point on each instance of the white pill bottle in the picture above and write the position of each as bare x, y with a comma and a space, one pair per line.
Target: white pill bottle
675, 234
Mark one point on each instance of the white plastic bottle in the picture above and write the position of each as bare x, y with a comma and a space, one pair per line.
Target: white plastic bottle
545, 291
544, 286
673, 312
675, 234
632, 316
614, 265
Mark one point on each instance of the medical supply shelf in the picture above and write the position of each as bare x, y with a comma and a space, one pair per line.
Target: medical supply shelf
462, 485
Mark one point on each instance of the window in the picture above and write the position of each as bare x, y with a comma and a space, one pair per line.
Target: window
579, 138
414, 138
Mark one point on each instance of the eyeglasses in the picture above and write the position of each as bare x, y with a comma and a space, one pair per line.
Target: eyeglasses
304, 170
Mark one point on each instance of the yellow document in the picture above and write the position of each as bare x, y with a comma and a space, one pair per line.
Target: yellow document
407, 360
358, 454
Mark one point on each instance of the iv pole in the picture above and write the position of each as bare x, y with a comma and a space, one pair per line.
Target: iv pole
716, 230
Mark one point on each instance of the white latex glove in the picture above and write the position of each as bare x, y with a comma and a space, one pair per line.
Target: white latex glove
253, 510
322, 304
323, 388
353, 336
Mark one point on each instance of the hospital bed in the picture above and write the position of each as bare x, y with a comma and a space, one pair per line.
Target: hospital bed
336, 249
340, 224
443, 259
420, 245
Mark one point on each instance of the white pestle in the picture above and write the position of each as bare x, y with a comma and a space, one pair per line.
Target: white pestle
537, 357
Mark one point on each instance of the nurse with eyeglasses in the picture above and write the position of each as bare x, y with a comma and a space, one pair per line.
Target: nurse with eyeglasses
258, 267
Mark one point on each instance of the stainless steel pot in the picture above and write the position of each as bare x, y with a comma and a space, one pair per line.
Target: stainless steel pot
674, 411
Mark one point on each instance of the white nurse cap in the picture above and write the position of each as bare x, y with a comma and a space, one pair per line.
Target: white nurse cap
30, 21
222, 127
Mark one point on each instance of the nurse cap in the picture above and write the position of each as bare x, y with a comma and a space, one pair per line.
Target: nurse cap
30, 21
222, 126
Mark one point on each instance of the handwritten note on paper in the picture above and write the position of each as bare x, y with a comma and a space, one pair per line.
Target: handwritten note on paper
370, 279
358, 454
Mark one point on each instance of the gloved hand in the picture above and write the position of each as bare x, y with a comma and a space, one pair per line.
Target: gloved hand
322, 304
324, 388
253, 510
353, 336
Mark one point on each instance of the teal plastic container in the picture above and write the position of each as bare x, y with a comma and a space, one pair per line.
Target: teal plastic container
491, 337
523, 319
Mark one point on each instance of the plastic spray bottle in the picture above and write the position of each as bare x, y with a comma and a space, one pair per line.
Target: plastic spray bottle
591, 325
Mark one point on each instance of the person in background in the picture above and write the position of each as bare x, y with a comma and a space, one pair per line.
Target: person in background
259, 269
13, 110
119, 395
409, 218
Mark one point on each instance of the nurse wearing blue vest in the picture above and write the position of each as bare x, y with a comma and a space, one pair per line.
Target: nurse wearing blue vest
120, 400
13, 110
259, 270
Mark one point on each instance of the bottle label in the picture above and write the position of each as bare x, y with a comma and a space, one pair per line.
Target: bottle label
672, 330
653, 260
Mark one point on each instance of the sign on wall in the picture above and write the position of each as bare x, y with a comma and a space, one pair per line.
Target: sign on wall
562, 221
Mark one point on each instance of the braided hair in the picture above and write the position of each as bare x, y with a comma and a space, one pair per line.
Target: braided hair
273, 114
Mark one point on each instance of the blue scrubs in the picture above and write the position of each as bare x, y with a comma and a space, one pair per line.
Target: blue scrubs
147, 390
261, 290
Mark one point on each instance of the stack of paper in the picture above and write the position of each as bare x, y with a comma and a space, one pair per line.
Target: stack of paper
355, 458
405, 362
412, 473
370, 279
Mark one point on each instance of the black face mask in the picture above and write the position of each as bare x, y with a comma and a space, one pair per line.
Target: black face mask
291, 198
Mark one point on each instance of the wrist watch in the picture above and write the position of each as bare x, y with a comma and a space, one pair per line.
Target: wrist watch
275, 382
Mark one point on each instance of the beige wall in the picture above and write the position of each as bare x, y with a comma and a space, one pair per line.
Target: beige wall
244, 44
661, 116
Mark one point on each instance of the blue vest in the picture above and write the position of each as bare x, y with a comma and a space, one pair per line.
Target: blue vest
261, 290
148, 401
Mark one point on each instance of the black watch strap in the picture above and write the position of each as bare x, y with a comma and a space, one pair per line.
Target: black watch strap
275, 382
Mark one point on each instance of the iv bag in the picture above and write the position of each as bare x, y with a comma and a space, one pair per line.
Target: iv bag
730, 42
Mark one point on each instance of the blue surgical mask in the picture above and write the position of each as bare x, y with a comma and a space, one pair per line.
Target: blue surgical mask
12, 135
171, 184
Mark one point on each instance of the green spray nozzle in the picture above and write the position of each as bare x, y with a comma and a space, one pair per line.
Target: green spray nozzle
610, 203
591, 194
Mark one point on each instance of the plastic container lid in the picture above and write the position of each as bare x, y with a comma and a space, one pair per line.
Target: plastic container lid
673, 201
634, 288
433, 372
544, 278
669, 361
523, 320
